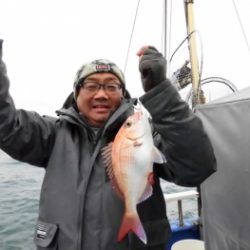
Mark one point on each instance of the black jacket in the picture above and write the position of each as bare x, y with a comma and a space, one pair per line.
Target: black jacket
78, 208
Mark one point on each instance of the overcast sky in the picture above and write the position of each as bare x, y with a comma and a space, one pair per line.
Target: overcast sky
46, 41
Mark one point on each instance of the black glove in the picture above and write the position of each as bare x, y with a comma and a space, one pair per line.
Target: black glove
152, 66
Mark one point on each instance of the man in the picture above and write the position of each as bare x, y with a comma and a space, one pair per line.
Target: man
78, 208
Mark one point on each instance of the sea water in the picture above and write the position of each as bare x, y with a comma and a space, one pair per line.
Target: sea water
19, 198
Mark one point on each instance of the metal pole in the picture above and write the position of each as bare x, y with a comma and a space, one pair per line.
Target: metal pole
165, 38
165, 24
192, 50
180, 213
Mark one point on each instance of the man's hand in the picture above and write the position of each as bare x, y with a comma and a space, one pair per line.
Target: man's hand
152, 66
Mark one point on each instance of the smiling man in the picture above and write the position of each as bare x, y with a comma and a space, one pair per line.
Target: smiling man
99, 89
79, 209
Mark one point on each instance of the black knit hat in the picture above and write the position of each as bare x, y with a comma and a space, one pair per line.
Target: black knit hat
97, 66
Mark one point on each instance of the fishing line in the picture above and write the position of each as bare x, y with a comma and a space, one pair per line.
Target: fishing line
241, 26
131, 36
170, 28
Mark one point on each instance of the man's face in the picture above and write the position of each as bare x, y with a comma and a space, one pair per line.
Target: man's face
96, 102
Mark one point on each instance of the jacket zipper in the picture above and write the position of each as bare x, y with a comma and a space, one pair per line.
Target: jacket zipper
92, 137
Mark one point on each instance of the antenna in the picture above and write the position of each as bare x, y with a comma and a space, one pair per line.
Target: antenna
166, 32
165, 25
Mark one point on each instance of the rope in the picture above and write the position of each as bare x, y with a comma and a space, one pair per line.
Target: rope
241, 26
214, 79
131, 36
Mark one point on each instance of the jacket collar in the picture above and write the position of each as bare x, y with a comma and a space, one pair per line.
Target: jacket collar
118, 117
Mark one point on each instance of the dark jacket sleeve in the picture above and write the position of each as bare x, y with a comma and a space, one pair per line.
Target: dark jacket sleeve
24, 135
180, 136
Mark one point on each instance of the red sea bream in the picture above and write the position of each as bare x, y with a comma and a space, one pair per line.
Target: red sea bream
129, 161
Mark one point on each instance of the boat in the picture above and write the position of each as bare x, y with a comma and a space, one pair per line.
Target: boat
222, 221
225, 118
222, 202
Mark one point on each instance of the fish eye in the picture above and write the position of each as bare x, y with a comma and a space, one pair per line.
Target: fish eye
128, 124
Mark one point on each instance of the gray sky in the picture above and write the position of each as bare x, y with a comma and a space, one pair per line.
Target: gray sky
46, 41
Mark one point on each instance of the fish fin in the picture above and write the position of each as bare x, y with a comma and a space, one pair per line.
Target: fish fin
132, 223
146, 194
158, 157
106, 153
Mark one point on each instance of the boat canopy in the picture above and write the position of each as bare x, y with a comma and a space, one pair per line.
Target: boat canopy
226, 194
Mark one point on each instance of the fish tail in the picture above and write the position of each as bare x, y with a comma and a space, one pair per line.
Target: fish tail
132, 223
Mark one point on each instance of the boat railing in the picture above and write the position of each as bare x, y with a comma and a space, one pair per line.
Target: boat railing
179, 197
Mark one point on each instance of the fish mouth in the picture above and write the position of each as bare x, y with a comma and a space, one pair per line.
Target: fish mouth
134, 138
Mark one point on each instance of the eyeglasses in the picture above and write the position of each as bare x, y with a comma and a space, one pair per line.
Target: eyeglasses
93, 87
